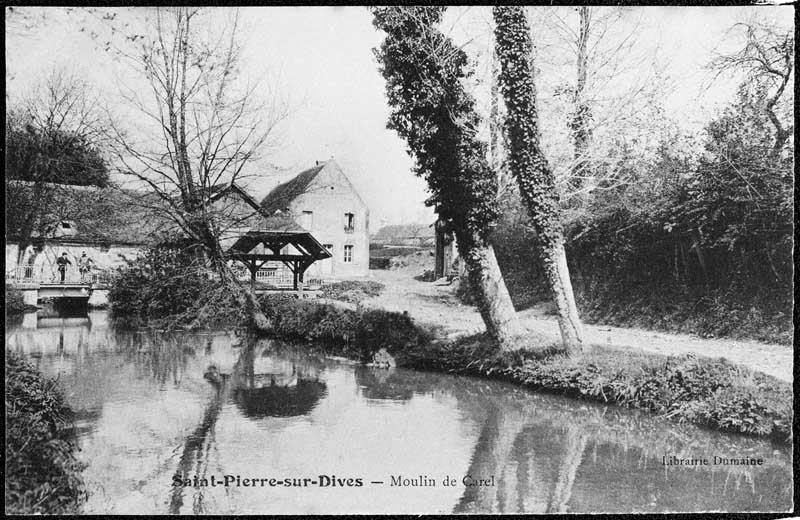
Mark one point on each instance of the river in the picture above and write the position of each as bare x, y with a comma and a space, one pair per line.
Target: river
308, 434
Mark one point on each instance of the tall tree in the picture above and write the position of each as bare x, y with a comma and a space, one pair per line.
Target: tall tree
53, 139
202, 123
767, 61
581, 116
436, 116
603, 78
530, 167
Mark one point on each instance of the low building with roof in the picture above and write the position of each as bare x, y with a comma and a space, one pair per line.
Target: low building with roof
323, 201
108, 224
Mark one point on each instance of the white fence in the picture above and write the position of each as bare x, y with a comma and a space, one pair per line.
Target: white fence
277, 278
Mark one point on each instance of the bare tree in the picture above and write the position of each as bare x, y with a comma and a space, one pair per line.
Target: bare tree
604, 77
200, 126
53, 141
766, 60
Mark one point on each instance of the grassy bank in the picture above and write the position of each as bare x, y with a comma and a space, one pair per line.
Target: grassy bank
42, 474
352, 291
709, 392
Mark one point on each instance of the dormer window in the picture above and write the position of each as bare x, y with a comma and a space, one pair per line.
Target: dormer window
66, 225
349, 222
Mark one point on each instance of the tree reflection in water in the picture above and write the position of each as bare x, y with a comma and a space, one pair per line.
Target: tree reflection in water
558, 455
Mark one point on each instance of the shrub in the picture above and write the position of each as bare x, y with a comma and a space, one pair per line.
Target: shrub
163, 285
42, 474
353, 333
15, 303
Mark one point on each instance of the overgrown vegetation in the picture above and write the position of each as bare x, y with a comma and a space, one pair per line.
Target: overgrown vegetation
352, 291
42, 473
352, 333
168, 287
15, 303
695, 242
425, 73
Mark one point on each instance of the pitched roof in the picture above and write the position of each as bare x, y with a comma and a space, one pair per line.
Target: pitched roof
220, 191
98, 215
279, 229
283, 194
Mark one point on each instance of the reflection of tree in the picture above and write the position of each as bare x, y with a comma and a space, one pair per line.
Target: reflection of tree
162, 356
196, 452
489, 459
243, 387
575, 444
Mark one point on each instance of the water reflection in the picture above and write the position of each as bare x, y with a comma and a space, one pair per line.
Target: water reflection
148, 410
279, 388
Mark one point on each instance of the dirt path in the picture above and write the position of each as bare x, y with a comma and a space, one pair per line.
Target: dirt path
436, 304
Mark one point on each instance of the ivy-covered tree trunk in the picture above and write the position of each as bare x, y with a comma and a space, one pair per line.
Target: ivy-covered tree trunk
437, 118
494, 301
529, 166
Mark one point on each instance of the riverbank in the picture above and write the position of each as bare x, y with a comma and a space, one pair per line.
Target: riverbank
708, 392
42, 473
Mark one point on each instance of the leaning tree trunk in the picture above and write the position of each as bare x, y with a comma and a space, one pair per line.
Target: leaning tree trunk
528, 164
424, 70
494, 301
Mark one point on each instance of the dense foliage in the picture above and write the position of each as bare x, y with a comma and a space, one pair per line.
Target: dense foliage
432, 111
52, 155
525, 157
42, 474
168, 286
699, 240
15, 303
353, 333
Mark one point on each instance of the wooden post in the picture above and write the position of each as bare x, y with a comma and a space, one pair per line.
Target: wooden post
301, 269
295, 275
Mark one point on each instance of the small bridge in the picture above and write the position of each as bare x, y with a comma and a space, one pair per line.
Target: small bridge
44, 281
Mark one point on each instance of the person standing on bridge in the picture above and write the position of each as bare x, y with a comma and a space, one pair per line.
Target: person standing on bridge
84, 266
62, 262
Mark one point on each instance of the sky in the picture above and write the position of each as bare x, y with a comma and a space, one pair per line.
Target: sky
321, 60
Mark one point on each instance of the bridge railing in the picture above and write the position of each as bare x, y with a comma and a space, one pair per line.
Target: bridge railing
49, 274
